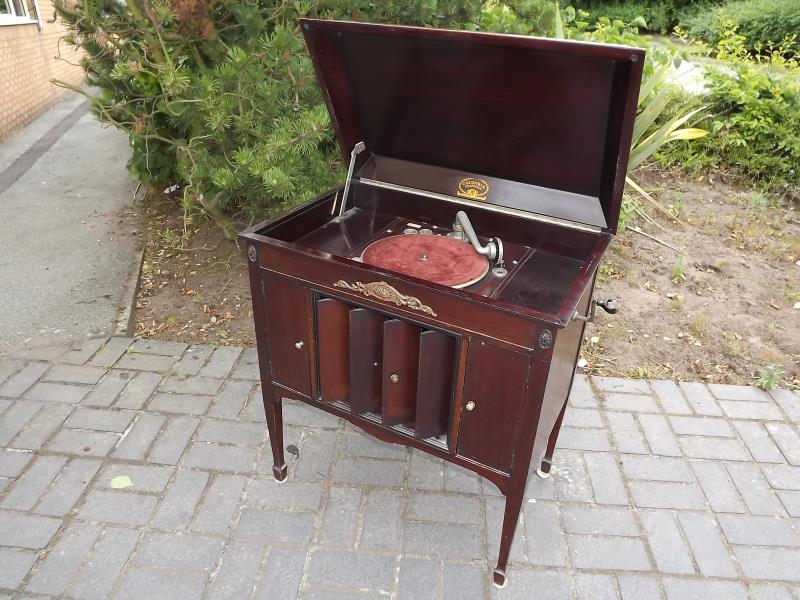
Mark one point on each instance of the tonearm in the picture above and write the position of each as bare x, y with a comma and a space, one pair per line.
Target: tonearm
493, 250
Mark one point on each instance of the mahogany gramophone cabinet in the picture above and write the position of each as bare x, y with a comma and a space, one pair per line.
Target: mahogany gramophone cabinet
437, 299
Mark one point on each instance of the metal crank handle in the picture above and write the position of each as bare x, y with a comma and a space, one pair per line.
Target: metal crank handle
492, 250
610, 305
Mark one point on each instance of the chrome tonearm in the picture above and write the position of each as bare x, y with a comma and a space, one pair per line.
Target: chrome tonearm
493, 250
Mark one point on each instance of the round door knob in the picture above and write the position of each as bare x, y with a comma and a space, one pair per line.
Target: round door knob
298, 345
394, 377
470, 406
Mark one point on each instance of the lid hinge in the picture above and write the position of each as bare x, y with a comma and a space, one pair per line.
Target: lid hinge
357, 149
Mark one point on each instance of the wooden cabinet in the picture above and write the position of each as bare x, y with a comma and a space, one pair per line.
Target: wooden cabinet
287, 324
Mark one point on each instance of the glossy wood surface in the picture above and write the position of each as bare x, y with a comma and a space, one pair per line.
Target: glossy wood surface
287, 323
333, 357
366, 360
400, 368
435, 383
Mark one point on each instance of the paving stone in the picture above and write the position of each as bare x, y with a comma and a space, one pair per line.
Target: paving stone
636, 403
192, 360
117, 507
215, 457
28, 488
254, 408
229, 432
787, 439
170, 444
458, 479
316, 454
41, 349
283, 572
709, 550
462, 581
369, 471
16, 565
713, 448
583, 417
596, 520
791, 501
583, 439
135, 445
178, 551
106, 392
347, 569
737, 392
274, 526
220, 505
221, 362
13, 461
628, 437
581, 394
180, 404
655, 468
700, 399
760, 411
762, 591
42, 426
138, 391
754, 490
789, 402
83, 443
553, 553
65, 492
758, 442
18, 384
606, 479
297, 413
719, 490
635, 587
670, 397
5, 404
231, 399
418, 578
340, 520
268, 494
359, 445
425, 472
595, 587
100, 419
178, 506
443, 508
15, 418
623, 553
146, 362
237, 575
160, 584
102, 567
381, 529
110, 353
82, 351
708, 426
63, 561
688, 589
57, 392
666, 544
162, 347
8, 368
659, 435
661, 494
773, 564
549, 585
26, 531
150, 479
181, 384
622, 385
758, 531
88, 375
246, 370
249, 355
442, 539
782, 477
571, 478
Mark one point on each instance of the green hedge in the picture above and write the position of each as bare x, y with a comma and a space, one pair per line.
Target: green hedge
656, 15
760, 21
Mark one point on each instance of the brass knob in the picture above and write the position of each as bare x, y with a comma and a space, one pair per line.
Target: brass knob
470, 406
298, 345
394, 377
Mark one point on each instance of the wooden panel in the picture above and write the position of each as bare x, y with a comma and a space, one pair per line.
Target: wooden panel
333, 354
437, 353
400, 364
287, 333
366, 360
496, 381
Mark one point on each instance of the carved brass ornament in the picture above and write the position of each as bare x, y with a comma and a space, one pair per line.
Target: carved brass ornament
383, 291
472, 188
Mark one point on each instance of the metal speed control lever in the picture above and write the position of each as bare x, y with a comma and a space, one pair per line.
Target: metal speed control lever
611, 306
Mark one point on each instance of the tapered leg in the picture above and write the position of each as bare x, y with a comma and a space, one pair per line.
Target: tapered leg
273, 407
510, 519
547, 461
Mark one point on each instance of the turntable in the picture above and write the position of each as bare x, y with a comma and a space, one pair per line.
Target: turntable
437, 299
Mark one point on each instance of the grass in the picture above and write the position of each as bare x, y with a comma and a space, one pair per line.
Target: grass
768, 377
699, 325
678, 271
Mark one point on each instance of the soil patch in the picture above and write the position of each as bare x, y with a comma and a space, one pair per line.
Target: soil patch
719, 309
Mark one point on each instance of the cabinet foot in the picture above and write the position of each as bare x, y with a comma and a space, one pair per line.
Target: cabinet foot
280, 472
499, 578
544, 470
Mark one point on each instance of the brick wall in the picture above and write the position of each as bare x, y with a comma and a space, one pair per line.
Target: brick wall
28, 63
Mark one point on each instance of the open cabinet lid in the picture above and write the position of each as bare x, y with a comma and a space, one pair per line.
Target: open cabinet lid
538, 125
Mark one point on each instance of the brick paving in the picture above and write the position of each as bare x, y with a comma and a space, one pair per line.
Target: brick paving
659, 490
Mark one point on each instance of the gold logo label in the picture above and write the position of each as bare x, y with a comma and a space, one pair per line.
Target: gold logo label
474, 189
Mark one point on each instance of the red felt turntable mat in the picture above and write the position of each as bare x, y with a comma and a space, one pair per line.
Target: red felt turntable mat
434, 258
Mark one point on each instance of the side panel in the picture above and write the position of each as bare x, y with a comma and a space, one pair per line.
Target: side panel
287, 332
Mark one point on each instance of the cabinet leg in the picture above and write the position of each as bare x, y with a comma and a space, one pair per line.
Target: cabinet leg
547, 462
273, 407
510, 520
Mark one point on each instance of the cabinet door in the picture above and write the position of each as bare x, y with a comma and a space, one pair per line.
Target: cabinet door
287, 332
495, 385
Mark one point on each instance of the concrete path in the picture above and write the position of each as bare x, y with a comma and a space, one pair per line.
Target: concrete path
68, 257
658, 491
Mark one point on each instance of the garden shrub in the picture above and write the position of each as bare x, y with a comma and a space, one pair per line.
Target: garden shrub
656, 15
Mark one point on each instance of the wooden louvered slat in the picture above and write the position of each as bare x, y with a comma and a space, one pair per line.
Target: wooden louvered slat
400, 364
366, 358
333, 320
435, 383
